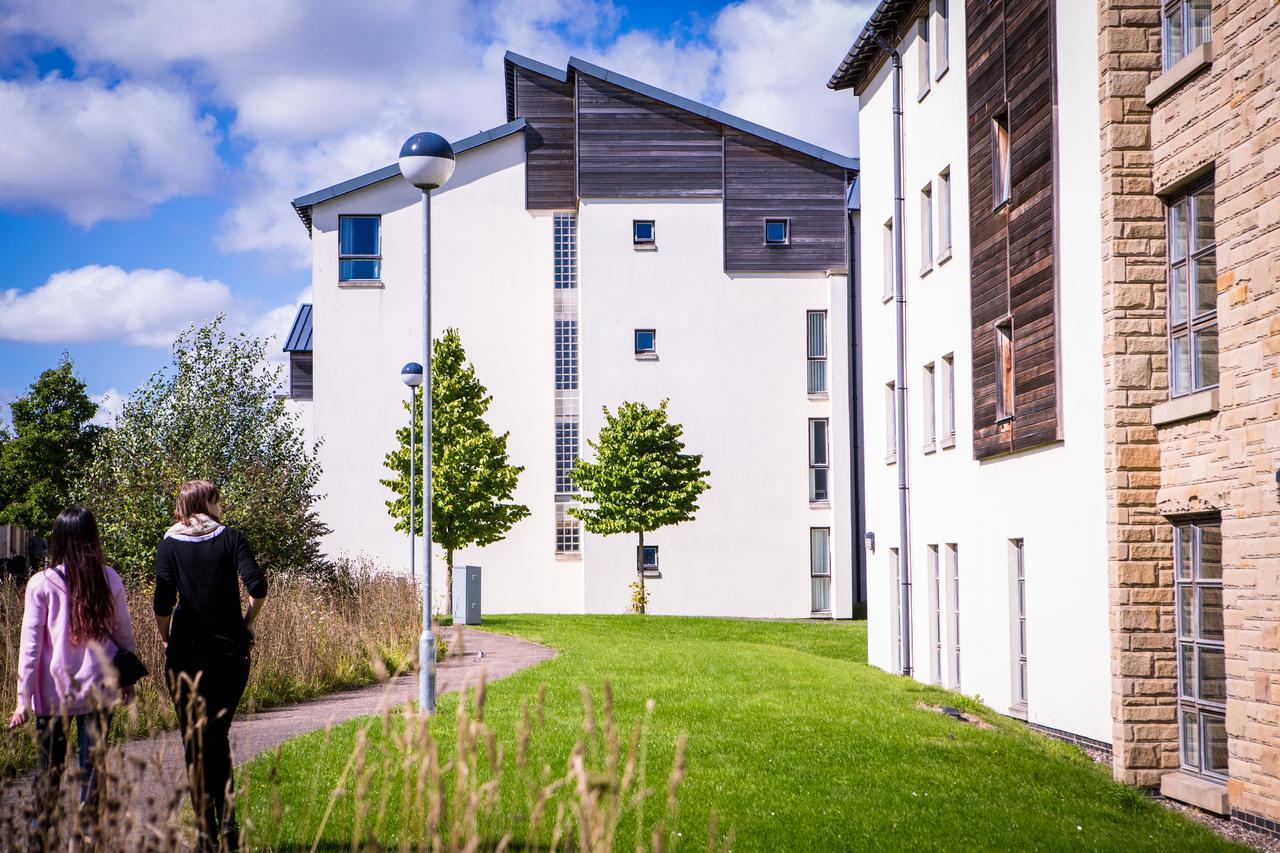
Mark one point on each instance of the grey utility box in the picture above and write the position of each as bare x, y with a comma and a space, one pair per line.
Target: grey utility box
466, 595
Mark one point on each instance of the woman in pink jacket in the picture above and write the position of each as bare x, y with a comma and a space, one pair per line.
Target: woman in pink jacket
76, 620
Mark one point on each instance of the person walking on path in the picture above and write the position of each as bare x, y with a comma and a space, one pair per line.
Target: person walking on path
75, 622
199, 566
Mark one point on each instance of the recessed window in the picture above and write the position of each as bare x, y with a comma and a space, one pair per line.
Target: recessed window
1187, 25
1001, 168
922, 53
935, 611
301, 386
1202, 675
953, 623
819, 461
646, 342
1004, 370
643, 233
1193, 292
1018, 582
817, 347
930, 422
777, 232
890, 424
941, 40
944, 215
566, 455
887, 260
820, 569
568, 531
359, 248
926, 229
649, 558
947, 405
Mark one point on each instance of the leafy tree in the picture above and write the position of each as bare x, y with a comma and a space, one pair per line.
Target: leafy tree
472, 483
52, 442
642, 479
212, 414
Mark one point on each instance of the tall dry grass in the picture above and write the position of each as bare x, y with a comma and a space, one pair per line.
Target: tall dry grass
313, 638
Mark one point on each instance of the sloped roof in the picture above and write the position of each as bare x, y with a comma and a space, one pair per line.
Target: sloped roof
303, 204
885, 20
300, 336
581, 66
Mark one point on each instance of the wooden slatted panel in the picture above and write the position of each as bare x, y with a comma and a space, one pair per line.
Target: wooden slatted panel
764, 180
632, 146
547, 107
1013, 262
301, 386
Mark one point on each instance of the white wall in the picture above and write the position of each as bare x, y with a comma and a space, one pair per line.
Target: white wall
731, 360
1052, 497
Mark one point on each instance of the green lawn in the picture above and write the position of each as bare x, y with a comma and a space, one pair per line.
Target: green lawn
793, 740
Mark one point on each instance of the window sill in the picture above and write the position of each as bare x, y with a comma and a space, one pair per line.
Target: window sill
948, 442
1000, 204
820, 504
371, 284
887, 298
1182, 71
923, 95
646, 356
819, 396
646, 247
924, 271
1018, 711
568, 556
1195, 790
945, 256
891, 460
1185, 408
931, 447
942, 72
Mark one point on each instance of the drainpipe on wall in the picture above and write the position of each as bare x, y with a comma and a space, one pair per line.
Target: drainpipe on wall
856, 441
900, 383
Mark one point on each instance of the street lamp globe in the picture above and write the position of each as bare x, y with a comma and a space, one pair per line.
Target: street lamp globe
411, 374
426, 160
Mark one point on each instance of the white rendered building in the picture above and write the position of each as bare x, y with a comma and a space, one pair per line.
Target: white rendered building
611, 242
1000, 589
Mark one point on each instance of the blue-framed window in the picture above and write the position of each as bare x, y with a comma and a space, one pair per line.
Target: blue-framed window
359, 248
777, 232
643, 232
646, 341
649, 558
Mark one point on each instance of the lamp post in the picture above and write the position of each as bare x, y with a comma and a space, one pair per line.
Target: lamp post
411, 374
426, 161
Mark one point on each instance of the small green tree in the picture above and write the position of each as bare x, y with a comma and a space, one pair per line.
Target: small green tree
472, 483
213, 414
642, 479
52, 442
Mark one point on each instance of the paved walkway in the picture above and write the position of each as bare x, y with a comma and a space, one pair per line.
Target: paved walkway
155, 765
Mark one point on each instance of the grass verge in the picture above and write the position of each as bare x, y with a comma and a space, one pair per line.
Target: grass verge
794, 742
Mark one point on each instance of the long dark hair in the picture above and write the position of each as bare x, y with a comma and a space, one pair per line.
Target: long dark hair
77, 548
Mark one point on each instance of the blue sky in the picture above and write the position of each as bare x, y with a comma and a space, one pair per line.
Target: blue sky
152, 146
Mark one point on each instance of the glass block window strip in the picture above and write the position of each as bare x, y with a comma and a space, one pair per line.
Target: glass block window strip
566, 251
566, 455
566, 348
568, 532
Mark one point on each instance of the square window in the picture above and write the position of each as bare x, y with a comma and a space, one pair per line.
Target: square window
643, 232
649, 558
646, 342
777, 232
359, 248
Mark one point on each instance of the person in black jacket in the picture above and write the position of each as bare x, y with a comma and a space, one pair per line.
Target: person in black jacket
199, 566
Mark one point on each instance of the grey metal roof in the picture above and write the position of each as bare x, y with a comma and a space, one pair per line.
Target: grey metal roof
853, 201
303, 204
300, 336
886, 19
587, 68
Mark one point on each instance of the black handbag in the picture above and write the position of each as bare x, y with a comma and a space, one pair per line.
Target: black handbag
129, 667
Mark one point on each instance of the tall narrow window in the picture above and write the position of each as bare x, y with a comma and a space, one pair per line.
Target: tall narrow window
819, 461
888, 260
568, 536
301, 376
948, 402
944, 215
359, 248
820, 569
566, 346
926, 228
1001, 169
930, 422
1193, 291
895, 609
1187, 25
1202, 677
935, 612
565, 238
890, 425
566, 455
1018, 592
1004, 370
816, 330
953, 624
941, 41
922, 55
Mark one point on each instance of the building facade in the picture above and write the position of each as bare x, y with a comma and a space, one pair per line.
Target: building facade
1000, 588
611, 242
1190, 169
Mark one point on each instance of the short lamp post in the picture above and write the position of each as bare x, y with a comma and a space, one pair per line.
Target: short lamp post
411, 374
426, 161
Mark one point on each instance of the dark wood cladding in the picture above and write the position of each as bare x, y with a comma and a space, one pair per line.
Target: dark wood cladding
632, 146
301, 386
763, 180
1013, 249
547, 108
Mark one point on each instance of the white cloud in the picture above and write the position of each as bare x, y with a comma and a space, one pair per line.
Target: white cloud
95, 152
106, 303
274, 325
110, 404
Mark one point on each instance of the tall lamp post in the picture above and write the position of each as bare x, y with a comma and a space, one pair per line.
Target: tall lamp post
411, 373
426, 161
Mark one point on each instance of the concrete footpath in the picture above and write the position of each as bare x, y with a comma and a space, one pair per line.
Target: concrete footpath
154, 766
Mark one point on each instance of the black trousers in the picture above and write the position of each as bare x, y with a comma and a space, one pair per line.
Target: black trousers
206, 688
